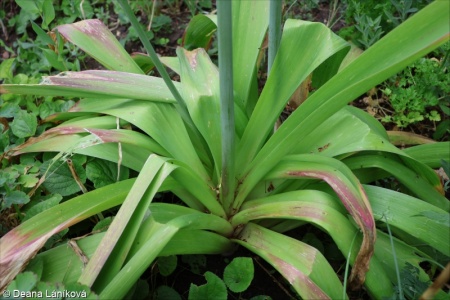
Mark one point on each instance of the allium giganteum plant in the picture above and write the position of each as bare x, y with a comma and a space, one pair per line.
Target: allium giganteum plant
210, 140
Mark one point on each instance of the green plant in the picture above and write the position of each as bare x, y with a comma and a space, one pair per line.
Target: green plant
316, 168
237, 277
369, 20
417, 91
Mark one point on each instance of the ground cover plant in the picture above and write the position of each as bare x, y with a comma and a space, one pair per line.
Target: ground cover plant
240, 182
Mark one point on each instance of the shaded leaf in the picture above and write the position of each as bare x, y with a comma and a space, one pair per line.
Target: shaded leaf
238, 274
214, 289
102, 172
15, 197
165, 292
167, 264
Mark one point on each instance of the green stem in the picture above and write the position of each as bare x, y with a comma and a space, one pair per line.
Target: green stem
274, 31
226, 102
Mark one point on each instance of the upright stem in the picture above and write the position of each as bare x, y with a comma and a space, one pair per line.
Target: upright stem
226, 102
274, 31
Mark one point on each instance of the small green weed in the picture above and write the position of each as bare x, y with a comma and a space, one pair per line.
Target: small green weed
237, 277
417, 92
368, 21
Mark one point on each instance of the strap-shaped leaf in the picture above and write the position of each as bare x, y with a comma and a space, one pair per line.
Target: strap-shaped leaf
199, 33
161, 122
96, 83
302, 265
324, 211
250, 21
349, 190
304, 46
94, 38
19, 245
123, 229
200, 89
391, 163
430, 154
399, 48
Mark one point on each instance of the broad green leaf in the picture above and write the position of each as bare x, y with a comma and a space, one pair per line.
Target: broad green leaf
48, 202
400, 138
26, 281
414, 218
304, 272
418, 185
404, 254
164, 292
200, 89
97, 83
6, 69
199, 33
24, 124
9, 110
102, 172
167, 264
293, 63
42, 34
321, 209
15, 197
33, 7
34, 233
214, 289
238, 274
143, 61
127, 220
349, 190
93, 37
193, 242
136, 266
392, 53
48, 12
250, 21
54, 60
161, 122
58, 258
430, 154
59, 178
164, 212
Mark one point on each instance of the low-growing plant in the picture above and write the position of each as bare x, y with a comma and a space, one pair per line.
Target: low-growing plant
417, 91
236, 278
367, 21
209, 139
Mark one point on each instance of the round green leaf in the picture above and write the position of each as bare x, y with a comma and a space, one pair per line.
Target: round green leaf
239, 274
167, 264
165, 292
214, 289
24, 124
